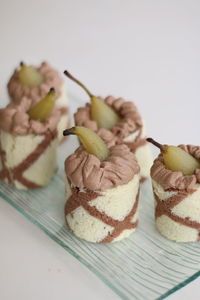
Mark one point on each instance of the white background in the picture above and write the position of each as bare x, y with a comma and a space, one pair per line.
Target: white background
147, 51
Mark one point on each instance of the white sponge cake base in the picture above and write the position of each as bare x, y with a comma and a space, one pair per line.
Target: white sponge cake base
63, 101
142, 153
17, 148
188, 208
116, 203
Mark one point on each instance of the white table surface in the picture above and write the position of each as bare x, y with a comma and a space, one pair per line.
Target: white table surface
147, 51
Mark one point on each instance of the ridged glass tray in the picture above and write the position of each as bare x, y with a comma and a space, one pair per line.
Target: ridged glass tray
145, 266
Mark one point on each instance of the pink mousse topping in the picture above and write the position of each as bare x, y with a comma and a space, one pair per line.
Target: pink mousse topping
85, 170
130, 118
176, 180
51, 79
15, 119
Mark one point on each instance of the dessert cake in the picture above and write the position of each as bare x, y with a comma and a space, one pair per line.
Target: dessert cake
34, 82
102, 195
27, 146
177, 194
129, 130
119, 117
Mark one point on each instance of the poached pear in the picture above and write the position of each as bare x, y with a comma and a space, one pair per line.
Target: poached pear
102, 113
42, 110
92, 143
29, 76
176, 159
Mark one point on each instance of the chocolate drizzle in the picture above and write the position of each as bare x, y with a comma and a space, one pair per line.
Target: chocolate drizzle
78, 199
165, 208
138, 142
4, 173
122, 225
16, 173
63, 110
143, 179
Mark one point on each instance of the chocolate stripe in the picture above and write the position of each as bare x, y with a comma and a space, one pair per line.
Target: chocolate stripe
170, 203
33, 156
134, 145
165, 208
4, 172
78, 199
64, 110
94, 212
29, 184
143, 179
137, 142
25, 164
117, 231
125, 224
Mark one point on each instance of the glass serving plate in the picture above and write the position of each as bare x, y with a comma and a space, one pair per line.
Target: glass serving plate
144, 266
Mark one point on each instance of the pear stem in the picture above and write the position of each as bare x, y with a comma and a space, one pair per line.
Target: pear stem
22, 64
69, 131
152, 141
78, 82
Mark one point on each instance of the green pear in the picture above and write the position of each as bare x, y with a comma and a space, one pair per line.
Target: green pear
92, 143
42, 110
29, 76
176, 159
102, 113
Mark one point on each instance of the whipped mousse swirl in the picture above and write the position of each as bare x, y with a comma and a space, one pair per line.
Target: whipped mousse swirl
51, 79
85, 170
15, 119
171, 180
130, 118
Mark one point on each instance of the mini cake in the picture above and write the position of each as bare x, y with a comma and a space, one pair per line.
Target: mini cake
34, 82
27, 146
122, 119
177, 193
102, 195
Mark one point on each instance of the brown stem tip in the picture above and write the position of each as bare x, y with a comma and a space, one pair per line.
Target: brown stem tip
21, 64
69, 131
152, 141
52, 90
